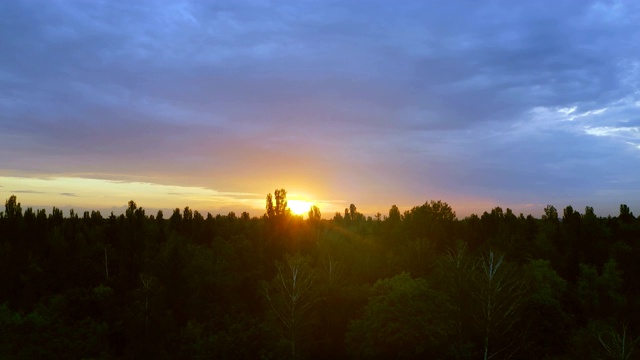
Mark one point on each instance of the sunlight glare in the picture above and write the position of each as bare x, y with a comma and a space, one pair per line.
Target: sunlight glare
299, 207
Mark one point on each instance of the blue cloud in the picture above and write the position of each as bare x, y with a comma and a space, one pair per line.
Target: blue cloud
510, 101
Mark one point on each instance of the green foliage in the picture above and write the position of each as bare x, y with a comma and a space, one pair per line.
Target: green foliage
599, 294
548, 325
600, 340
546, 286
417, 257
434, 221
241, 338
43, 333
405, 318
419, 284
292, 296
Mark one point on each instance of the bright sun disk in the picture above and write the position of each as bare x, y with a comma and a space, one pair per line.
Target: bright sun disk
299, 207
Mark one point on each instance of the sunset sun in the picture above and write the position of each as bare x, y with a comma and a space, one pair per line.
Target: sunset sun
299, 207
320, 179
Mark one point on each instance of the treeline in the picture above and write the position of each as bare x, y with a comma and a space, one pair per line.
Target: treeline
419, 284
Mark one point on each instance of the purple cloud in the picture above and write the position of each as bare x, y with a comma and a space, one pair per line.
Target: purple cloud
372, 102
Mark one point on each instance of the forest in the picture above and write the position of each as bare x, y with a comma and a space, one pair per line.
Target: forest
418, 284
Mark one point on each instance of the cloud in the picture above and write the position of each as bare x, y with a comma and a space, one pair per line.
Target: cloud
500, 100
180, 193
69, 194
614, 131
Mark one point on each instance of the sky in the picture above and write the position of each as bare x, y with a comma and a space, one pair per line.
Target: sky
213, 105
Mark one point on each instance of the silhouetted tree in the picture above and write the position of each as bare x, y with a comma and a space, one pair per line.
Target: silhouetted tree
291, 296
417, 284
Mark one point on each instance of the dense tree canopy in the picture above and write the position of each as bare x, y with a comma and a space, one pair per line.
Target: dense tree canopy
418, 284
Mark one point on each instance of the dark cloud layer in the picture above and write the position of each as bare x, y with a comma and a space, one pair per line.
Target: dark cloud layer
373, 102
26, 192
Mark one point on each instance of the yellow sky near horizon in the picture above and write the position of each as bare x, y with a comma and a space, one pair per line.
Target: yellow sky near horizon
98, 194
82, 194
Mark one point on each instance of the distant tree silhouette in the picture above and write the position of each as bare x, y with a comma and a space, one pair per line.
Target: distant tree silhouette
280, 209
418, 284
314, 215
